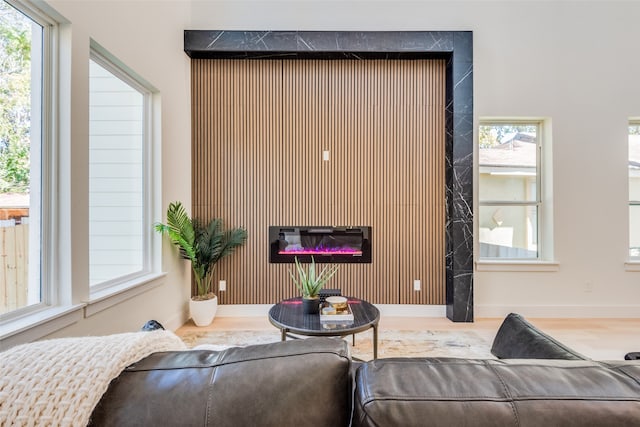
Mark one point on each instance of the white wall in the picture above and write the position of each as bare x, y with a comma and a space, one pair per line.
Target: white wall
571, 62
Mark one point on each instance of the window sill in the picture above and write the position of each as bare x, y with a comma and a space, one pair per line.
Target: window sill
34, 326
39, 324
632, 266
517, 266
106, 298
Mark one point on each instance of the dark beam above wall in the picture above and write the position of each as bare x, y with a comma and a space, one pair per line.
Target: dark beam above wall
456, 47
327, 44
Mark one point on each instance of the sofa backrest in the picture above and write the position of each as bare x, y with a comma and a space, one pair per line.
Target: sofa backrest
294, 383
481, 393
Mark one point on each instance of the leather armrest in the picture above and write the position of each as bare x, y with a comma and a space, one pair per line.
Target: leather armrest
519, 339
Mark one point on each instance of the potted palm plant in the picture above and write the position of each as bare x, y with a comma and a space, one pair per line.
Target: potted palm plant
203, 245
309, 284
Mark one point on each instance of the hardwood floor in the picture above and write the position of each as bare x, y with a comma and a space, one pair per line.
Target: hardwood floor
599, 339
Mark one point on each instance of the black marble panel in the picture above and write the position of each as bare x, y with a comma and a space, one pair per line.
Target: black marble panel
214, 44
456, 47
463, 46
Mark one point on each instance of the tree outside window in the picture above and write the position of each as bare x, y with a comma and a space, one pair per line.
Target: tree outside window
15, 108
21, 85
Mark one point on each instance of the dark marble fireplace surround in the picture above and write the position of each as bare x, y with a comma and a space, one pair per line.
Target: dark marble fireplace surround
454, 46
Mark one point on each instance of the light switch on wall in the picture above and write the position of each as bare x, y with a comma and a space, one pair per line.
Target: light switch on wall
325, 155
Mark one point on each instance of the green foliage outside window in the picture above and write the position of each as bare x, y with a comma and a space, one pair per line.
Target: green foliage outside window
15, 100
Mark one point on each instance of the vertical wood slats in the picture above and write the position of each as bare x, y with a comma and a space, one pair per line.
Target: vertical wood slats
259, 129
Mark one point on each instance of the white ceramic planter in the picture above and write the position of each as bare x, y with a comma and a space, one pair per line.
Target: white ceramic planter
203, 312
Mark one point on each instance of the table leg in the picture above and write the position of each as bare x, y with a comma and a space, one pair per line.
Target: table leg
283, 334
375, 342
353, 337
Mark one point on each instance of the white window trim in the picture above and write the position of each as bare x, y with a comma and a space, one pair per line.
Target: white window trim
632, 266
39, 324
56, 310
50, 294
544, 179
36, 325
102, 300
633, 262
109, 293
517, 265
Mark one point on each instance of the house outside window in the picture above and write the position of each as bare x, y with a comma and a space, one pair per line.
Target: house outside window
634, 190
119, 174
509, 189
25, 143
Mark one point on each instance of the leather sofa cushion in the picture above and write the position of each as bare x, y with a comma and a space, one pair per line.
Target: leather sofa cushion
447, 392
301, 382
519, 339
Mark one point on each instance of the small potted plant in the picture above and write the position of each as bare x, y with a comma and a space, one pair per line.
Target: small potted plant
204, 246
309, 284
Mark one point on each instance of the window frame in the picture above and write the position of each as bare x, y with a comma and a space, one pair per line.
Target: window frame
46, 182
540, 201
149, 264
630, 202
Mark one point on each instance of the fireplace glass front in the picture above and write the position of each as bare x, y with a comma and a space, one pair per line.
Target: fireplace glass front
324, 244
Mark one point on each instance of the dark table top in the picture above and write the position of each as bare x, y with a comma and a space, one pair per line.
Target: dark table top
288, 315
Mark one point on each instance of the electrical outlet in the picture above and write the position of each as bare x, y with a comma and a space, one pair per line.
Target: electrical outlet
417, 285
325, 155
222, 286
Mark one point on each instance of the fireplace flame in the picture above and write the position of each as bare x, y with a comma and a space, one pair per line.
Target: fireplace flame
319, 250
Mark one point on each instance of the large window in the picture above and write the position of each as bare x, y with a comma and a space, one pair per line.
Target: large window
509, 190
25, 90
634, 190
119, 225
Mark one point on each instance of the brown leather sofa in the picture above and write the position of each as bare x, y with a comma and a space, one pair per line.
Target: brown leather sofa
314, 382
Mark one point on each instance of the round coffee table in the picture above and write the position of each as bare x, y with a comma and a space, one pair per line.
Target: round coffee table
288, 317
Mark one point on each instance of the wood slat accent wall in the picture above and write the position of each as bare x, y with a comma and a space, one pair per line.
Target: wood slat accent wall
259, 131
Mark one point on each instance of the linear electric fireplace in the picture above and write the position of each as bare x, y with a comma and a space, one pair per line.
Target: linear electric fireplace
324, 244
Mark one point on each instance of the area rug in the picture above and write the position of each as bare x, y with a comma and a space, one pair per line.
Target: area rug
391, 343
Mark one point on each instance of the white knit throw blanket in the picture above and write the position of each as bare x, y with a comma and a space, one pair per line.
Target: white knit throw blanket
59, 382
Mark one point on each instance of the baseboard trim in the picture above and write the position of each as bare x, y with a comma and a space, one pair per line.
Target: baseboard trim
418, 310
176, 321
412, 310
243, 310
560, 311
391, 310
